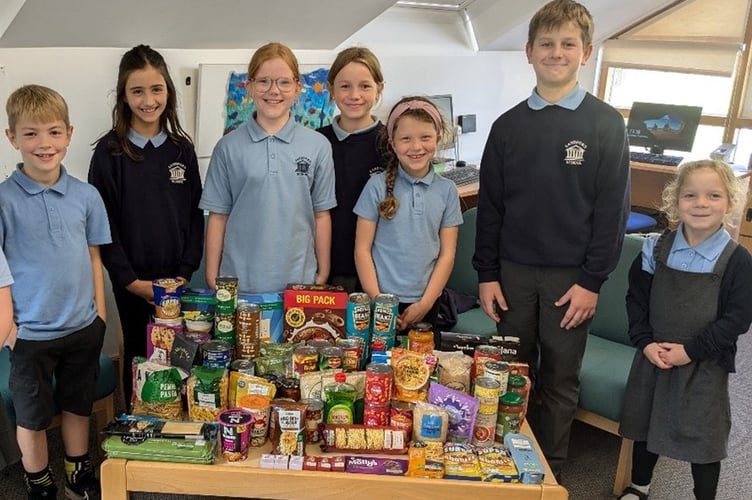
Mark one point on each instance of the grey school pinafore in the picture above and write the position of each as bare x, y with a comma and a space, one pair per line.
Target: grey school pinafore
682, 412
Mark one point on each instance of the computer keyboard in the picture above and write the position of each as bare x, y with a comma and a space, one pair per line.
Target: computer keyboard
462, 175
655, 159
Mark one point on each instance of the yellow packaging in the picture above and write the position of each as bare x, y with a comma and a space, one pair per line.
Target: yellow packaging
242, 384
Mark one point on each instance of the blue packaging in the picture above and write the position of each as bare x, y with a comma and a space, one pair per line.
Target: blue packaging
526, 459
272, 322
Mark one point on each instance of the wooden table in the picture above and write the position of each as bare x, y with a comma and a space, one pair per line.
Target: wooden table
246, 479
468, 195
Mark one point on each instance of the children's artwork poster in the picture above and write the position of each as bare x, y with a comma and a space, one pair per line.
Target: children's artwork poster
312, 109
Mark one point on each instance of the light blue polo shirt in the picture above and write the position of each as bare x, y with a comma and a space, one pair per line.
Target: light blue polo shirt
6, 279
405, 249
700, 259
571, 101
270, 186
45, 232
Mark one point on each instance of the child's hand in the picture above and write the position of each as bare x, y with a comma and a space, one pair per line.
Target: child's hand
674, 354
490, 294
414, 313
143, 289
581, 308
653, 352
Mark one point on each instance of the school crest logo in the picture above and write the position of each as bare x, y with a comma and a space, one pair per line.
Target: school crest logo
375, 170
177, 172
302, 165
574, 152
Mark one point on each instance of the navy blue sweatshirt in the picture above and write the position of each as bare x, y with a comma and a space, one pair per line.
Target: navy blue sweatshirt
554, 191
157, 227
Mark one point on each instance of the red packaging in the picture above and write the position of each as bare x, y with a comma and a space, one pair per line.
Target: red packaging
314, 312
324, 464
482, 354
379, 379
375, 415
310, 462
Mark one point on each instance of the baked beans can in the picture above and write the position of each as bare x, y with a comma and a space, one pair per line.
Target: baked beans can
216, 354
385, 312
235, 432
374, 415
401, 416
497, 370
482, 354
247, 334
226, 294
352, 352
305, 359
487, 392
379, 378
224, 327
244, 366
358, 313
330, 358
314, 415
484, 430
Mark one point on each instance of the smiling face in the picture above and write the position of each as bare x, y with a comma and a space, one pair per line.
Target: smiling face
43, 147
273, 105
415, 142
702, 204
355, 92
146, 96
556, 56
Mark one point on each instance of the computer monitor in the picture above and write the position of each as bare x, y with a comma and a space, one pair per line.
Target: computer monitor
663, 126
444, 103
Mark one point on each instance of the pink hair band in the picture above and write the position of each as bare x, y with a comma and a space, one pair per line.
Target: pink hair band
414, 104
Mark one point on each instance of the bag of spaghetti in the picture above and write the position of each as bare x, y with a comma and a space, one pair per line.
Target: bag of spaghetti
412, 372
156, 390
207, 393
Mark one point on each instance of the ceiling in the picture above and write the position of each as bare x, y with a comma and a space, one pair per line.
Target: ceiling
301, 24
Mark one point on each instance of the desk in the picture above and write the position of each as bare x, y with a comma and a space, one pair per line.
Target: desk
468, 195
648, 181
246, 479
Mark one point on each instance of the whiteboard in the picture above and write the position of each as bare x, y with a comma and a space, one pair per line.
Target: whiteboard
210, 107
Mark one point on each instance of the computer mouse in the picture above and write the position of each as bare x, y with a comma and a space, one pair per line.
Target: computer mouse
460, 164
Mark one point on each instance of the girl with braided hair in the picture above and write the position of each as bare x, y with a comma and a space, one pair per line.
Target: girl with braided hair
408, 216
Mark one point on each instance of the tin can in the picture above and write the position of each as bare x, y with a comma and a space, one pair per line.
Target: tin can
358, 318
482, 354
378, 391
244, 366
224, 327
401, 416
364, 341
305, 359
318, 343
288, 387
330, 358
216, 354
351, 353
385, 312
247, 323
314, 415
484, 430
235, 433
497, 370
374, 415
420, 337
226, 294
487, 392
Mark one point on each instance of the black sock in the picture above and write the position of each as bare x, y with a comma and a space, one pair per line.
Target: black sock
74, 466
39, 480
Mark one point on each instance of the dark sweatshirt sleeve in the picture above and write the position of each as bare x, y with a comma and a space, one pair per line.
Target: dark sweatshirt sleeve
638, 305
490, 208
103, 176
734, 313
611, 207
194, 248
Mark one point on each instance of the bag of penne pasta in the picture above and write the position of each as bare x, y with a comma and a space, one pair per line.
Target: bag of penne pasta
206, 391
156, 390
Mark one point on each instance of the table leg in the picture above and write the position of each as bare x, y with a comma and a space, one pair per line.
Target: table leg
112, 479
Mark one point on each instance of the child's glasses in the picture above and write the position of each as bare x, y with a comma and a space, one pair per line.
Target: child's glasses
284, 84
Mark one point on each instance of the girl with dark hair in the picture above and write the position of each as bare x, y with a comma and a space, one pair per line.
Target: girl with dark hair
147, 173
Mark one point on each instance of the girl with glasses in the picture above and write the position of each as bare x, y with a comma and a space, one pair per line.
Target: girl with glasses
269, 188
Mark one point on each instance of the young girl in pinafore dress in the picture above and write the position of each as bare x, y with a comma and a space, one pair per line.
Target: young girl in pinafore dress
689, 299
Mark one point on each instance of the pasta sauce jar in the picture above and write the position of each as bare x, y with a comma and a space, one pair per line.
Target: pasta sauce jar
420, 337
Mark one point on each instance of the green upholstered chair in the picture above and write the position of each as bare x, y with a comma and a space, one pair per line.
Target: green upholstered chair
465, 279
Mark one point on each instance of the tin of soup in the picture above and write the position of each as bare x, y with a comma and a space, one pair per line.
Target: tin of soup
351, 353
216, 354
247, 324
305, 359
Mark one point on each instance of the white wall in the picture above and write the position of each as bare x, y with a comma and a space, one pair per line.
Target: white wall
484, 84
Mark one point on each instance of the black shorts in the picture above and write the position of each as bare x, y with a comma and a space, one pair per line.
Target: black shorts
74, 362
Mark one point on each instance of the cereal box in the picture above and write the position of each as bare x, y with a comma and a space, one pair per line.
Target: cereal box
314, 312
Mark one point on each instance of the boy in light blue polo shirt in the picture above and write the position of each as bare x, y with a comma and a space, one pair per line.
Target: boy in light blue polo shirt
51, 226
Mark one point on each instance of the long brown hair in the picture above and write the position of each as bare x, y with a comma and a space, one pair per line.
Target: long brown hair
138, 58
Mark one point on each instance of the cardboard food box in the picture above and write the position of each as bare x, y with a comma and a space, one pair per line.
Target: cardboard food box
314, 312
272, 314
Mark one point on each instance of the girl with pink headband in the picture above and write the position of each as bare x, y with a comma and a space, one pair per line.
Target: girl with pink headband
408, 217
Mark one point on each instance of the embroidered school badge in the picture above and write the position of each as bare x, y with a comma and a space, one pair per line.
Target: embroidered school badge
303, 164
177, 172
574, 153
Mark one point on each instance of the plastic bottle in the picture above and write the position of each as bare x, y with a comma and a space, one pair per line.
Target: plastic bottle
339, 401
